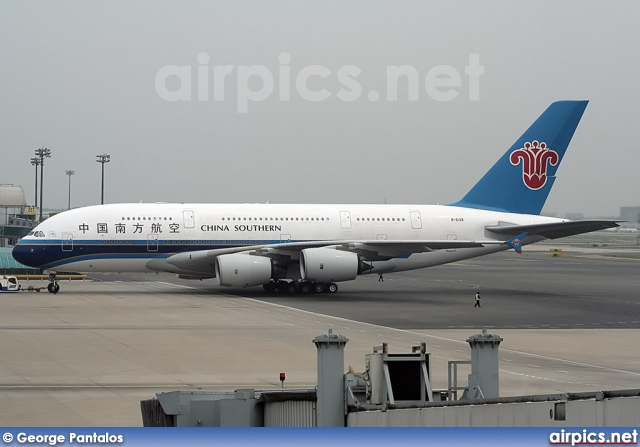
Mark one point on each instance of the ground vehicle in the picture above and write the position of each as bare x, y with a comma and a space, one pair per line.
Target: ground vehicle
9, 284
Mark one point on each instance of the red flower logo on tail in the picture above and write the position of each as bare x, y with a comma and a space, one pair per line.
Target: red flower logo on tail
535, 159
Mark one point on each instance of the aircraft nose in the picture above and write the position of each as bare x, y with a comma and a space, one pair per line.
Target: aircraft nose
25, 255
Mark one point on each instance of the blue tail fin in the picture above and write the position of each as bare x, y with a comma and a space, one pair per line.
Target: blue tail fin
521, 179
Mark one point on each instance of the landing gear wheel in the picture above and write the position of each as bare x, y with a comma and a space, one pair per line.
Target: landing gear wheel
53, 288
269, 287
318, 287
292, 288
305, 288
332, 287
282, 286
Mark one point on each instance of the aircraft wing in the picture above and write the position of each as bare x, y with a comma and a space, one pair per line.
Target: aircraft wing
202, 261
382, 249
554, 230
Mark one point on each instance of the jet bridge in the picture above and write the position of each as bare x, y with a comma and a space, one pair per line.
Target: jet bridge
391, 379
394, 390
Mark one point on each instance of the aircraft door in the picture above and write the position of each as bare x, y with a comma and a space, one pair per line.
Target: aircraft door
452, 237
67, 242
345, 220
152, 242
416, 220
189, 219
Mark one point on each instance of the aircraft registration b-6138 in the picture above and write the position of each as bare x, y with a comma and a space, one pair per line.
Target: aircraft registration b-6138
309, 248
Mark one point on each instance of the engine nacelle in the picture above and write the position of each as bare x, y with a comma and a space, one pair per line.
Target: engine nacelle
242, 270
328, 265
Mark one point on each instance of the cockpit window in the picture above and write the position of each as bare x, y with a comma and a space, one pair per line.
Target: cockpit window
37, 234
31, 234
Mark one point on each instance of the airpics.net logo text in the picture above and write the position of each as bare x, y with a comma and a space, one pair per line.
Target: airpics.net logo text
256, 83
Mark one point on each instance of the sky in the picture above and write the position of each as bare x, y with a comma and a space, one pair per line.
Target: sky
289, 101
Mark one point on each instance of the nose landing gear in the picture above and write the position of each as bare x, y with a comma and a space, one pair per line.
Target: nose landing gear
53, 286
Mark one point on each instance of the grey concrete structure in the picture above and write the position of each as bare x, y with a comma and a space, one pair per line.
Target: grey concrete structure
586, 410
330, 412
484, 380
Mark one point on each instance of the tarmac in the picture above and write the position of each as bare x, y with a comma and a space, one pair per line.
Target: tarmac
88, 355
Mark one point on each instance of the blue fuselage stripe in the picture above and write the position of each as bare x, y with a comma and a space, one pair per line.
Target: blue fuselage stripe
52, 253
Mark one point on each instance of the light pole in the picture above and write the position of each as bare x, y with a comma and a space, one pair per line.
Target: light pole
43, 153
36, 162
104, 158
70, 173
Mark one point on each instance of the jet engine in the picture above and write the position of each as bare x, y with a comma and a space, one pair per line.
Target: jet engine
327, 265
242, 270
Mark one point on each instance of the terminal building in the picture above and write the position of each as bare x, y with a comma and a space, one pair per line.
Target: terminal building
16, 220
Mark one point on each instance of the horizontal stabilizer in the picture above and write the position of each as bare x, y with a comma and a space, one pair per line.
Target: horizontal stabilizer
554, 230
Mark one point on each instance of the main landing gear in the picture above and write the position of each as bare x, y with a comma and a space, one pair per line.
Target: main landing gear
302, 287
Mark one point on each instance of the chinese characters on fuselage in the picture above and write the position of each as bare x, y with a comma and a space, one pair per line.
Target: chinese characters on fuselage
172, 228
120, 228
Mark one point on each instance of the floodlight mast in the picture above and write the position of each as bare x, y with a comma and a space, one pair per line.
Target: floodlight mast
43, 153
70, 173
36, 162
104, 158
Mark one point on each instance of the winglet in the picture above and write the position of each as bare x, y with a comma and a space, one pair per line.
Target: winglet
516, 242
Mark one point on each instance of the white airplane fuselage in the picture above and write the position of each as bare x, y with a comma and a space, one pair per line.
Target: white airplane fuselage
125, 237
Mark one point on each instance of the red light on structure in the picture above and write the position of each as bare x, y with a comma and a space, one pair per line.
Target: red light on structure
282, 377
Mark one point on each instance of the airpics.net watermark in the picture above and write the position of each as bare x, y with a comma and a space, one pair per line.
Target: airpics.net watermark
255, 83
